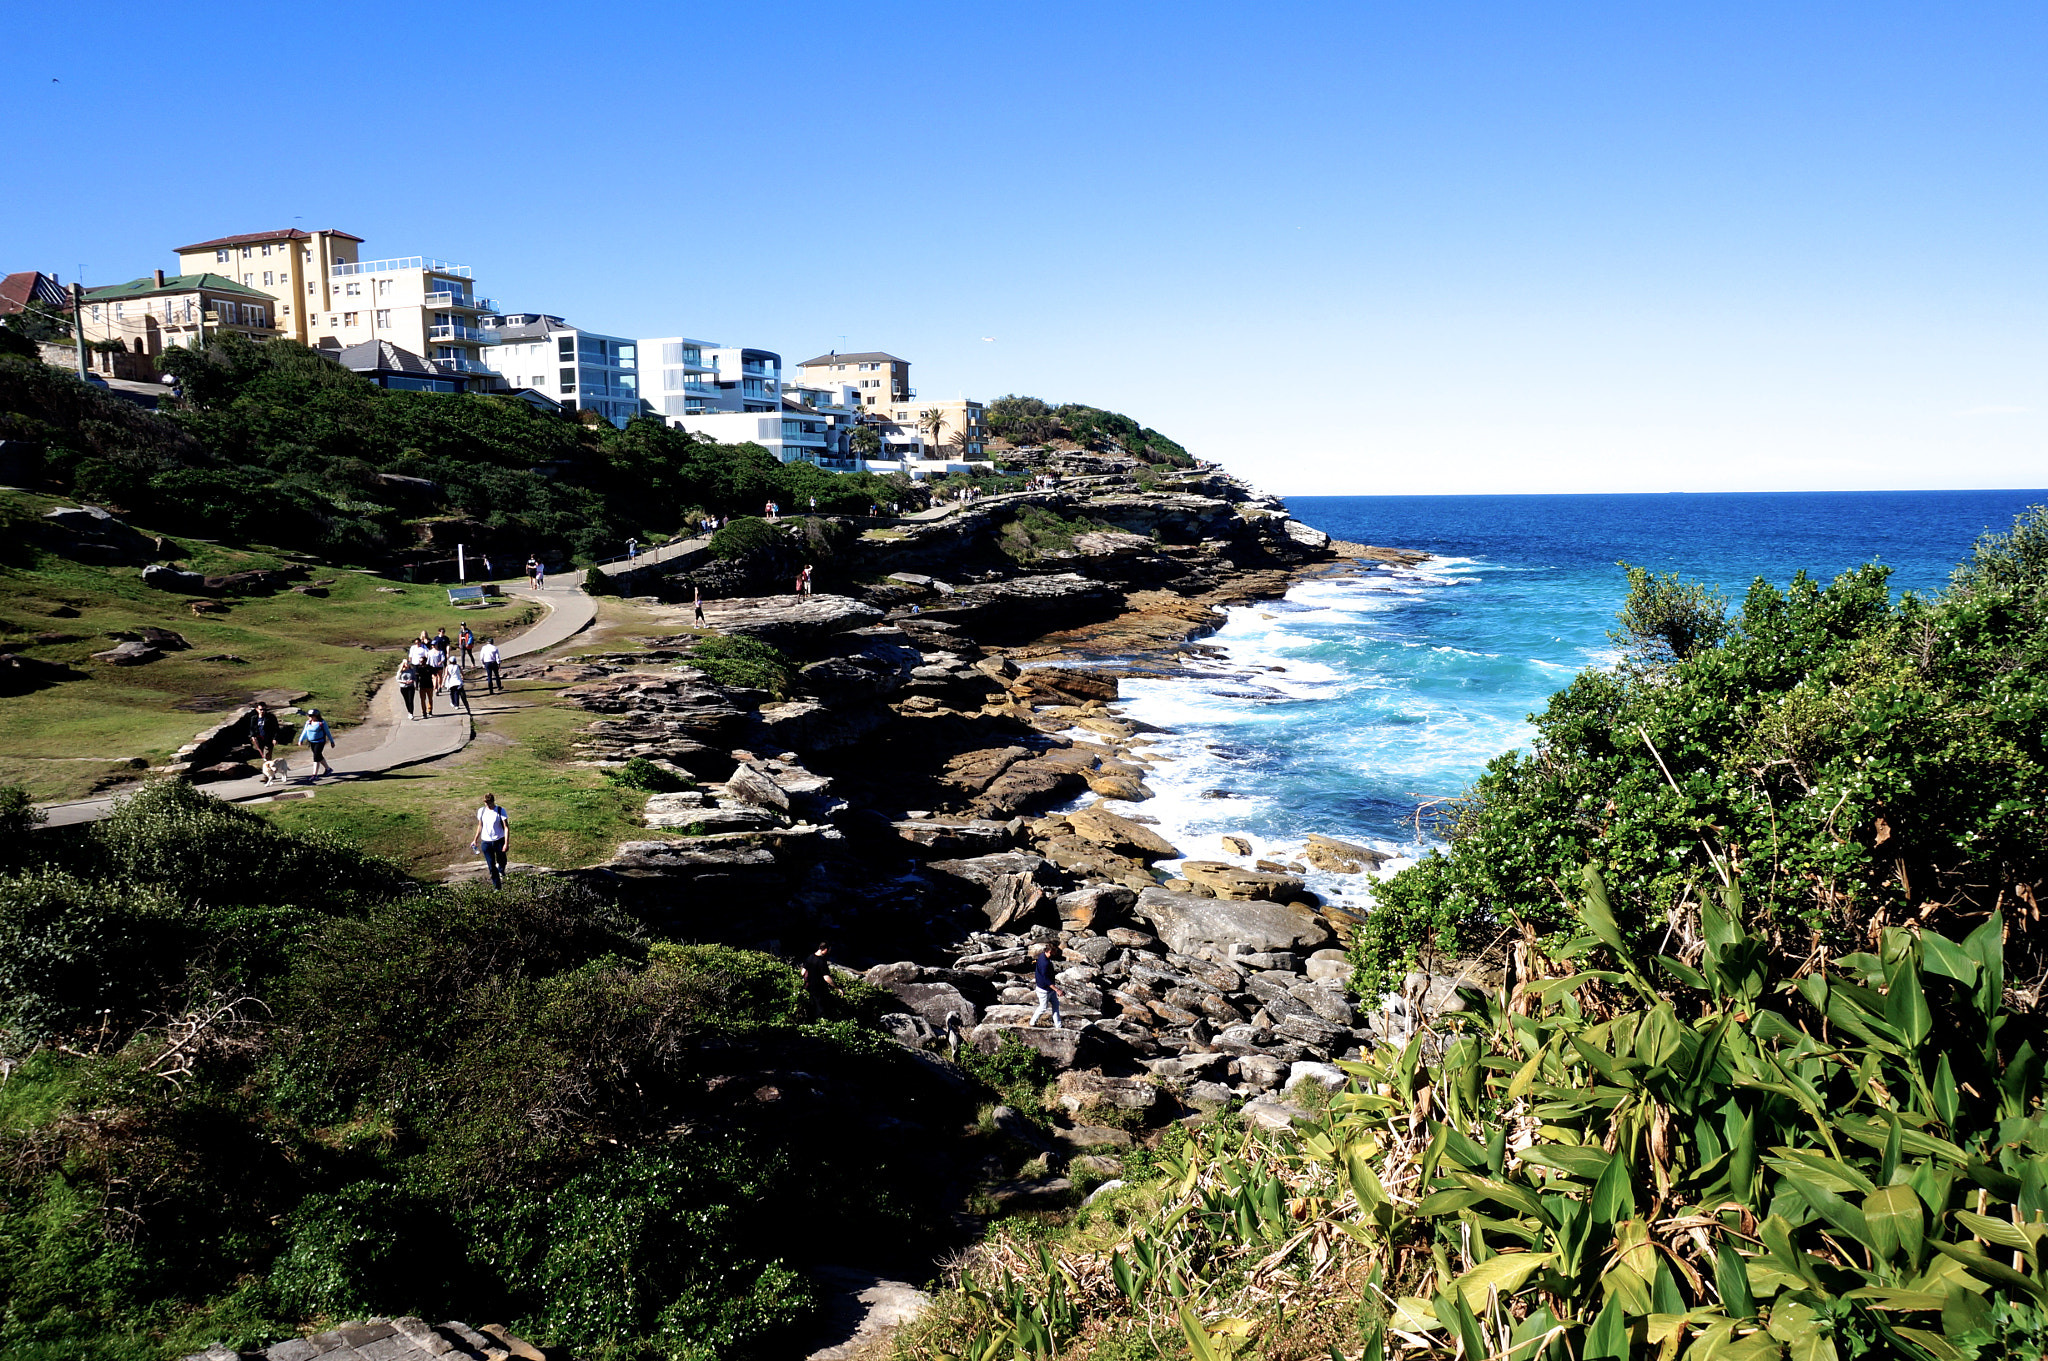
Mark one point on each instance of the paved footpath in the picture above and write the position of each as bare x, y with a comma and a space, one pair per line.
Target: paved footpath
390, 739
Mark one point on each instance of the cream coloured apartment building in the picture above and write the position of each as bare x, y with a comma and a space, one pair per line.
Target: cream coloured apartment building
331, 298
880, 379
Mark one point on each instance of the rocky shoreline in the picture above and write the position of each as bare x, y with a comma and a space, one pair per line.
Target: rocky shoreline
922, 796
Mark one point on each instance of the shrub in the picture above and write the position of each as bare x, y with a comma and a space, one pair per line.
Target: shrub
71, 949
746, 535
597, 582
641, 773
745, 663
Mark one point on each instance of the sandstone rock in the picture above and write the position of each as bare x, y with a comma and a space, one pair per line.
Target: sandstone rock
1228, 881
1209, 1096
748, 785
1093, 1136
1305, 535
1008, 1122
256, 581
791, 624
1105, 828
1080, 1090
1189, 924
1341, 857
128, 654
1237, 845
1063, 1048
955, 838
882, 975
936, 1002
1313, 1030
1122, 784
1026, 785
1274, 1115
907, 1029
1333, 965
972, 772
1260, 1071
702, 821
164, 640
1327, 1074
1130, 939
1093, 908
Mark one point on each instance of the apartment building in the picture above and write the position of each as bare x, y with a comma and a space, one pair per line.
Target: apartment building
840, 409
289, 266
793, 432
581, 370
881, 379
328, 297
150, 314
954, 428
681, 377
747, 379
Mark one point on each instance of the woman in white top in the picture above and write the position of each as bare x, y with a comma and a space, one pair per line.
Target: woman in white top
493, 835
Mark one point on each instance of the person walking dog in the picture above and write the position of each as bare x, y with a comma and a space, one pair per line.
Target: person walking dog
493, 835
319, 737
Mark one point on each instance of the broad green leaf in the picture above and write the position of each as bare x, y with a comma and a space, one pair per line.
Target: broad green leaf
1614, 1197
1898, 1301
1986, 1268
1449, 1202
1845, 1218
1685, 973
1948, 959
1586, 1163
1731, 1278
1986, 945
1905, 1005
1595, 911
1412, 1314
1876, 1133
1199, 1346
2006, 1234
1450, 1306
1831, 1173
1664, 1293
1506, 1193
1507, 1273
1607, 1339
1893, 1215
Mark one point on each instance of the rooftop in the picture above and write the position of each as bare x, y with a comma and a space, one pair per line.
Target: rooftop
253, 238
381, 356
17, 291
864, 357
148, 287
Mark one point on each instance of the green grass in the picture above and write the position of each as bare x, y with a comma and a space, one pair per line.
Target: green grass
118, 715
563, 815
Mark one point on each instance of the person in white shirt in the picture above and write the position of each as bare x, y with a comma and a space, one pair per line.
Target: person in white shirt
451, 685
488, 654
493, 835
437, 661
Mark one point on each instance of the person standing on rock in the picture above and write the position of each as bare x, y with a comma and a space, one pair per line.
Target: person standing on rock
408, 681
1042, 984
697, 603
493, 835
489, 656
819, 984
317, 736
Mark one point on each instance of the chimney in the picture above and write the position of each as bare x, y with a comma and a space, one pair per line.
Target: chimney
159, 278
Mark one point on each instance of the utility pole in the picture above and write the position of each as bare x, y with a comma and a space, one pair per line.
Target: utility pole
461, 564
78, 325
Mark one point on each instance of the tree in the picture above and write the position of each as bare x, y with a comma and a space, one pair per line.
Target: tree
866, 440
933, 420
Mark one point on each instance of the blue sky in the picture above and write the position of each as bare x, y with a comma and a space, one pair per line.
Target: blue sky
1344, 248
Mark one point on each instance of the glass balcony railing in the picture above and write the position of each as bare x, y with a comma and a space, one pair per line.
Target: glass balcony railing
462, 300
407, 262
466, 366
456, 331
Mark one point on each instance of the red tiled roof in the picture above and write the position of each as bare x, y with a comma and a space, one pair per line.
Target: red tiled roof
248, 238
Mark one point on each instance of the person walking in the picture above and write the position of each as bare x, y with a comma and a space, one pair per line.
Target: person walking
468, 645
533, 571
319, 737
441, 641
540, 576
408, 681
263, 732
632, 551
1042, 984
493, 835
488, 654
819, 984
697, 602
451, 685
430, 678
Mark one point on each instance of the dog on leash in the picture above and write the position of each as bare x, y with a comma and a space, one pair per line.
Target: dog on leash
274, 770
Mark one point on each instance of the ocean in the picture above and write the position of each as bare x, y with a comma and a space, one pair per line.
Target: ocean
1353, 703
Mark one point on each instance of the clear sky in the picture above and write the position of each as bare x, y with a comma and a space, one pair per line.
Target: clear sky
1345, 248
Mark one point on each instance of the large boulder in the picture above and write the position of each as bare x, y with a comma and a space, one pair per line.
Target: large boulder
1189, 924
937, 1002
1229, 881
161, 577
128, 654
1079, 1091
1120, 834
792, 624
1341, 857
1009, 883
1094, 908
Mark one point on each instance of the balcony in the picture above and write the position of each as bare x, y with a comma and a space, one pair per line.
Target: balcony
462, 300
466, 366
457, 331
394, 266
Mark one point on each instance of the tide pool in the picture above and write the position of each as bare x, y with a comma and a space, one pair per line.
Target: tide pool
1357, 700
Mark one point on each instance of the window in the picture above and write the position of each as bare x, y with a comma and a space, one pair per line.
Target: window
248, 278
333, 319
568, 383
384, 319
246, 252
309, 288
351, 318
266, 250
565, 350
220, 257
95, 311
353, 290
283, 278
383, 288
676, 406
267, 279
674, 353
119, 308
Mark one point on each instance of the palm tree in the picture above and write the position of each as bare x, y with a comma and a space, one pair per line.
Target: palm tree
865, 441
934, 420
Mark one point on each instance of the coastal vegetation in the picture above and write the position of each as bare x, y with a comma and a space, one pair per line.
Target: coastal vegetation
1028, 421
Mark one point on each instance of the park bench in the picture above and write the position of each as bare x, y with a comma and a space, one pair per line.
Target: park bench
465, 595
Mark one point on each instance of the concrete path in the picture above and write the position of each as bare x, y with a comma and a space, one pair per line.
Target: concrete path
390, 739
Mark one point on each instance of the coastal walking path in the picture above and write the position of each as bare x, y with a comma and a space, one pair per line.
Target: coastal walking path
389, 738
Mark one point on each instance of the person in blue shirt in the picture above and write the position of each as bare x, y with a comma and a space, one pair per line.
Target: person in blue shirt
319, 737
1048, 992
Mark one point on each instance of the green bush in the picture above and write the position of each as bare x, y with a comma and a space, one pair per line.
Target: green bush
641, 773
1034, 532
746, 535
745, 663
72, 949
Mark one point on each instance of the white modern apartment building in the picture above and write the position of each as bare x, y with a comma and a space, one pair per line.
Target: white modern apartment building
582, 370
681, 376
793, 432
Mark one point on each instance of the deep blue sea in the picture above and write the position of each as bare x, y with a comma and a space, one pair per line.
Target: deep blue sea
1343, 707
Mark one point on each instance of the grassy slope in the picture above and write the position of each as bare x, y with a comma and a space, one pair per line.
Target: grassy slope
564, 815
120, 714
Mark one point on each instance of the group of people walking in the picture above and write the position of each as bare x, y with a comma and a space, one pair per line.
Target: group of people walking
434, 666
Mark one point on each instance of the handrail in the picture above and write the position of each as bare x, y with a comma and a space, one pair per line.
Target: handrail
407, 262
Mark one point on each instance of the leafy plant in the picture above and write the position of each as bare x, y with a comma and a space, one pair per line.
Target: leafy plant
641, 773
745, 536
745, 663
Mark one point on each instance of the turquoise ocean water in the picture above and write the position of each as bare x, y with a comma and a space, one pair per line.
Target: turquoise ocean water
1341, 708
